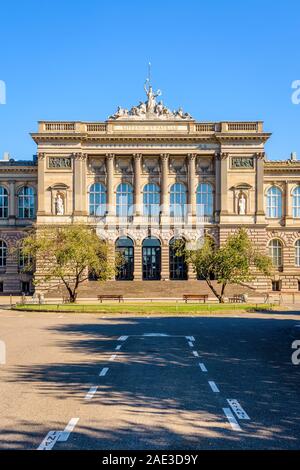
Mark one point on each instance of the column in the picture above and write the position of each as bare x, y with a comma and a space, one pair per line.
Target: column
260, 183
137, 183
223, 183
138, 266
288, 206
12, 200
84, 204
218, 184
191, 184
164, 196
110, 183
41, 184
77, 184
165, 261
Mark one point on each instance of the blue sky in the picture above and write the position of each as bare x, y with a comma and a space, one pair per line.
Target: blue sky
220, 60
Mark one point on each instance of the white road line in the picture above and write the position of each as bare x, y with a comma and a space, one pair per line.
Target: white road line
103, 372
190, 338
112, 357
49, 441
233, 422
195, 354
91, 392
213, 386
238, 409
202, 367
118, 347
65, 434
191, 344
122, 338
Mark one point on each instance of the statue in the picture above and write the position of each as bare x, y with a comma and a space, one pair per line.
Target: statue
242, 205
151, 96
59, 205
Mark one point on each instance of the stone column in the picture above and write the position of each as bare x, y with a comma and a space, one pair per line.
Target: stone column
84, 204
223, 183
287, 208
218, 184
191, 183
12, 200
165, 261
77, 184
164, 196
260, 184
110, 183
137, 183
41, 184
138, 262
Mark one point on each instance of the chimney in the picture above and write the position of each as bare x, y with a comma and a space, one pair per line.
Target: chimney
293, 157
6, 157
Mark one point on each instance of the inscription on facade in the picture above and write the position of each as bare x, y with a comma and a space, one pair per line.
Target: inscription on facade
242, 162
59, 162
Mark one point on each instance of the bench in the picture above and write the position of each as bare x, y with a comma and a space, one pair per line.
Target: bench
236, 299
199, 297
111, 297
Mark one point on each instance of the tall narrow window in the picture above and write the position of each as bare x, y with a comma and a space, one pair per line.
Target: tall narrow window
204, 200
97, 199
296, 202
275, 252
26, 204
177, 200
3, 253
3, 203
151, 199
297, 253
124, 200
274, 202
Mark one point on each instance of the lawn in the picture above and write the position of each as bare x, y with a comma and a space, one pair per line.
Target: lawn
146, 308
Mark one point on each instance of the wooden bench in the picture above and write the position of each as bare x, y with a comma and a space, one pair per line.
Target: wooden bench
199, 297
111, 297
236, 299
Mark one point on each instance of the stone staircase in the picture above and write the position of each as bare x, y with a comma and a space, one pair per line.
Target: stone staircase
147, 289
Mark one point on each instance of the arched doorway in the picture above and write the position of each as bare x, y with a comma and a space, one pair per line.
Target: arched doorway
178, 266
151, 259
124, 246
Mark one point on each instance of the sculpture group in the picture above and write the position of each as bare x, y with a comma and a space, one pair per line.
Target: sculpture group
150, 109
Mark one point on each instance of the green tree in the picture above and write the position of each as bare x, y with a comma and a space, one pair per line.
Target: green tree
68, 254
235, 262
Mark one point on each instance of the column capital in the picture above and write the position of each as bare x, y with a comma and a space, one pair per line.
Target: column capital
110, 156
192, 156
260, 155
137, 156
77, 156
41, 156
164, 156
223, 155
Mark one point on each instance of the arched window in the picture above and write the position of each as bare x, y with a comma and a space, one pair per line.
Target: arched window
296, 202
3, 202
124, 246
97, 199
26, 203
297, 253
151, 199
274, 202
275, 252
151, 255
3, 253
204, 200
178, 266
124, 200
177, 200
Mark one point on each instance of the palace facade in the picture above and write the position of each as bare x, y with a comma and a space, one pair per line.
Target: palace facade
146, 176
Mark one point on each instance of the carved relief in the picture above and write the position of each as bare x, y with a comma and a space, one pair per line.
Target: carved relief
242, 162
124, 166
151, 165
97, 166
59, 162
178, 166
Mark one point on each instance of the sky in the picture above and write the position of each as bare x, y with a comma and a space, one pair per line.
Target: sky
219, 60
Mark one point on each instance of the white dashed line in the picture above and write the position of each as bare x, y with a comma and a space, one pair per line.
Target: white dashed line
191, 344
118, 347
195, 354
190, 338
91, 392
213, 386
65, 434
233, 422
113, 357
202, 367
103, 372
238, 409
122, 338
49, 441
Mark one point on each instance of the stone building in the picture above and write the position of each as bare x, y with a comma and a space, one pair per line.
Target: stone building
145, 176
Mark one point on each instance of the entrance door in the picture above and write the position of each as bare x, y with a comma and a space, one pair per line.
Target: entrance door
124, 246
151, 259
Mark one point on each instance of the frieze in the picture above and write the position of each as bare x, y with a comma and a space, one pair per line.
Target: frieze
242, 162
60, 162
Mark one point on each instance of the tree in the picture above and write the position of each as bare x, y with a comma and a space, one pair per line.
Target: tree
232, 263
69, 254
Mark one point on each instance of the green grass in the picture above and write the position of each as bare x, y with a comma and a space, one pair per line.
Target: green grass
145, 308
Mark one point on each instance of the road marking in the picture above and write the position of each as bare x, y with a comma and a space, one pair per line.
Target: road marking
213, 386
118, 347
191, 344
238, 409
65, 434
112, 357
155, 334
103, 372
49, 441
195, 354
202, 367
233, 422
190, 338
91, 392
122, 338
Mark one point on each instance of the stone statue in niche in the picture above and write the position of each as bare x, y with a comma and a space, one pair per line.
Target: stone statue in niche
59, 205
242, 204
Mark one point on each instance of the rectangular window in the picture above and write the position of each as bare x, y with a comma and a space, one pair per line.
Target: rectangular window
276, 286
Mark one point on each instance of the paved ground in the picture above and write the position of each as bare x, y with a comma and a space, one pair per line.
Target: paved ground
154, 393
